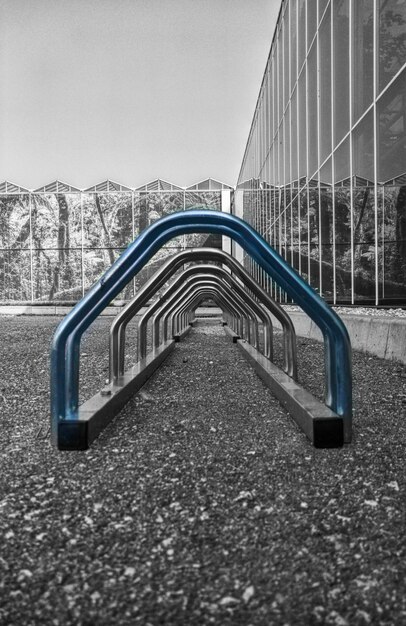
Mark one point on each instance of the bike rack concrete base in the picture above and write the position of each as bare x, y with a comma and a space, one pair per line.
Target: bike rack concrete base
321, 425
95, 414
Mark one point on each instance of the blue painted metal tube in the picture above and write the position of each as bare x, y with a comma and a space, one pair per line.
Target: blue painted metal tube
66, 342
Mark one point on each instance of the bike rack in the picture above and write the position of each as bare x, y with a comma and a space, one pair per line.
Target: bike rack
203, 271
74, 428
194, 299
181, 318
118, 327
237, 309
168, 309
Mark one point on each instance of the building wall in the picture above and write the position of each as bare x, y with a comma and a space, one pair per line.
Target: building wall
55, 246
324, 171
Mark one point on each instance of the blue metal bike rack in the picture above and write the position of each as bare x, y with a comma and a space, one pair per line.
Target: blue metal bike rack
66, 343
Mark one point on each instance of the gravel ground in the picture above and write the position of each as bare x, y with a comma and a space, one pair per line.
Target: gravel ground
201, 503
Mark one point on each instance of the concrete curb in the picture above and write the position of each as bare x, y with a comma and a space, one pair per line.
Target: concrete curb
382, 337
48, 310
28, 309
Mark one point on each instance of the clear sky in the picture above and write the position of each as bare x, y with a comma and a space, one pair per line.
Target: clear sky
130, 90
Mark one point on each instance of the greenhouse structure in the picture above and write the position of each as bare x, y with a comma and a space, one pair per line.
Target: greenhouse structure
324, 170
57, 241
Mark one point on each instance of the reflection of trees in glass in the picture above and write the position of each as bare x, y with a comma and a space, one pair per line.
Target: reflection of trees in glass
56, 229
15, 283
153, 205
107, 231
341, 68
14, 221
363, 38
392, 39
15, 279
392, 133
107, 221
364, 242
395, 240
203, 200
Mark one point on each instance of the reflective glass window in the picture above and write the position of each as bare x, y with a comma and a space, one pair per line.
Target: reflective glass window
304, 235
326, 175
302, 32
312, 109
302, 125
342, 242
295, 230
311, 21
287, 127
261, 131
15, 220
363, 143
325, 86
293, 43
293, 125
394, 239
280, 75
272, 165
274, 95
392, 131
326, 241
314, 238
364, 243
342, 162
266, 113
322, 8
286, 59
270, 108
392, 38
279, 157
341, 69
363, 38
15, 272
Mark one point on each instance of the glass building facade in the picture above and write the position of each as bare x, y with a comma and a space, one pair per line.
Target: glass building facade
324, 171
56, 241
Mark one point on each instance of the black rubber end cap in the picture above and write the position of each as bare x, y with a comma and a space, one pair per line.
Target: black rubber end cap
328, 433
73, 436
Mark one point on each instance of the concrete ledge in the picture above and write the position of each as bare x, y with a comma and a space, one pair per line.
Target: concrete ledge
381, 336
321, 425
29, 309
